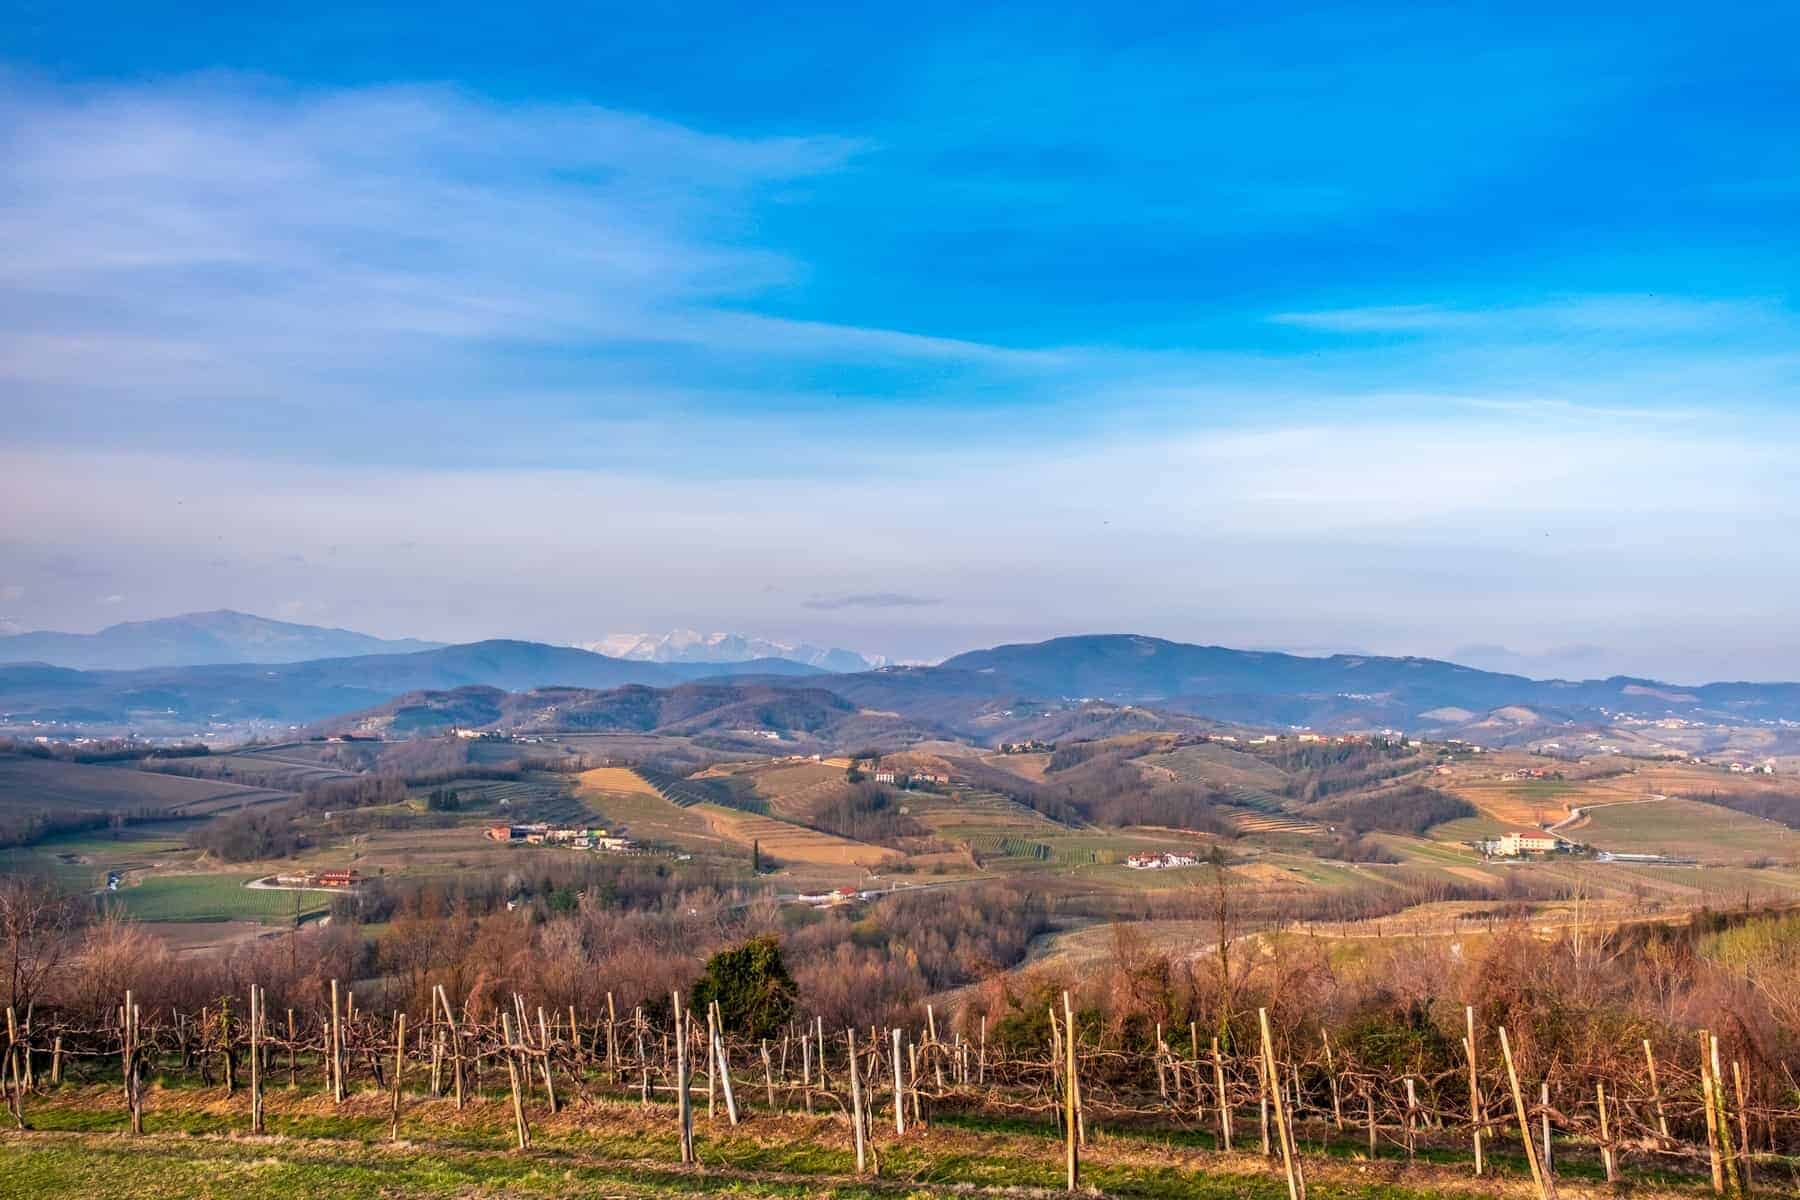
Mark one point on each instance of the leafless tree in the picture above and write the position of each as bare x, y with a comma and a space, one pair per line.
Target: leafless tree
38, 927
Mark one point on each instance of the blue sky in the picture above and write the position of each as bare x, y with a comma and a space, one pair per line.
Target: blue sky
1465, 330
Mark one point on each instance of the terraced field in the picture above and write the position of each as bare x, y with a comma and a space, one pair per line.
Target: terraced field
623, 800
1255, 822
994, 846
969, 813
35, 784
797, 790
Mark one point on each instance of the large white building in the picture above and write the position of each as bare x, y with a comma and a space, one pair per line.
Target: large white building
1516, 842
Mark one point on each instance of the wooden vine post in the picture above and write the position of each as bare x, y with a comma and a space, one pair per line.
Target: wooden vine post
899, 1088
399, 1067
512, 1052
1662, 1119
130, 1054
856, 1106
1606, 1146
718, 1036
256, 1081
1218, 1061
336, 1050
14, 1077
684, 1107
1290, 1157
457, 1069
1071, 1101
1546, 1189
1475, 1107
1337, 1107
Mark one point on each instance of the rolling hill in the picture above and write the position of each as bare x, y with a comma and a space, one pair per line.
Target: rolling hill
301, 693
195, 639
1068, 687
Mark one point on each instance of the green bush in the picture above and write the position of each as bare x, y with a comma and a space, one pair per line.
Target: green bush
752, 987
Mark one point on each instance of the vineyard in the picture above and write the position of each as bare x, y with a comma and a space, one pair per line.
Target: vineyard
1175, 1112
685, 793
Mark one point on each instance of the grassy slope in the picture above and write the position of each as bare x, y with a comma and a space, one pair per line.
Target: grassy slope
194, 1146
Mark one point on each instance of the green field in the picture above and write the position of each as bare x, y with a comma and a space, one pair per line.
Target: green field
212, 898
80, 862
1688, 828
195, 1145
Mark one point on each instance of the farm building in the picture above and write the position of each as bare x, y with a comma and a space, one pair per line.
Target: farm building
1515, 843
1160, 862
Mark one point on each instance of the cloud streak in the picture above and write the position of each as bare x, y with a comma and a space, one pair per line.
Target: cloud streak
871, 600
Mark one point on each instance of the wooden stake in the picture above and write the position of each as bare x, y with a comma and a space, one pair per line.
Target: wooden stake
712, 1065
1412, 1114
1263, 1084
1544, 1118
1606, 1146
399, 1067
1662, 1120
899, 1089
1290, 1158
1476, 1113
1218, 1062
731, 1109
337, 1049
856, 1106
1707, 1101
1546, 1189
612, 1041
544, 1047
1071, 1138
14, 1078
512, 1075
256, 1100
1743, 1146
768, 1076
684, 1108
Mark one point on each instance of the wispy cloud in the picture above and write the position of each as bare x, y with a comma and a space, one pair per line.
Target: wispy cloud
239, 244
1600, 314
871, 600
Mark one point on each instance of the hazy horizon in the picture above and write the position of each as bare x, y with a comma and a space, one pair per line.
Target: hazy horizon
1462, 335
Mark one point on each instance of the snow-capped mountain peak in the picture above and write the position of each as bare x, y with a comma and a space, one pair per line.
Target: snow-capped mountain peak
692, 646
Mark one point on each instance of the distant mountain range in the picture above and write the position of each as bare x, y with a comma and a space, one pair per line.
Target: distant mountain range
300, 693
196, 639
1061, 688
689, 646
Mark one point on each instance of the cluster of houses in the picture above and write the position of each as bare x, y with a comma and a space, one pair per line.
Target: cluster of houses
575, 839
1761, 768
831, 899
907, 778
1162, 861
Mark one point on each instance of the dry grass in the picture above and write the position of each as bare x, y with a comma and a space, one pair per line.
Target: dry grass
790, 843
624, 800
622, 780
35, 783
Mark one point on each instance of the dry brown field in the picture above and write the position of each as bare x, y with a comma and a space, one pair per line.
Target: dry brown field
790, 843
